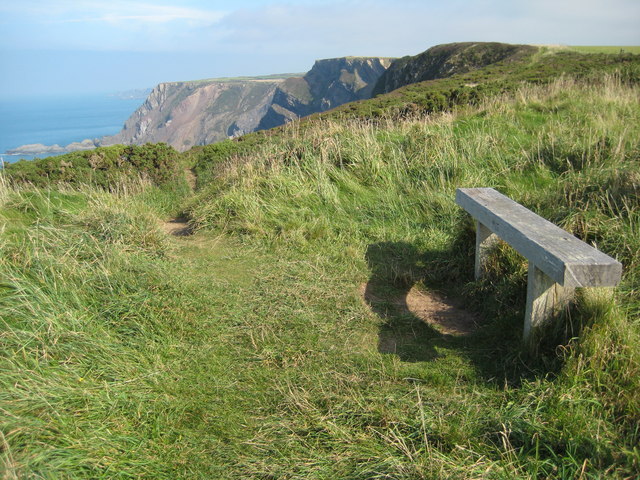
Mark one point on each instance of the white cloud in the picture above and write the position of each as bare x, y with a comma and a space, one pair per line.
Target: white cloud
104, 25
70, 11
118, 11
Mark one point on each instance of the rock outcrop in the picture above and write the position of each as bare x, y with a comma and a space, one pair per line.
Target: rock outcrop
184, 114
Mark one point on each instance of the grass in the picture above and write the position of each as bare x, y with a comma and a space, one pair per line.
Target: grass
247, 351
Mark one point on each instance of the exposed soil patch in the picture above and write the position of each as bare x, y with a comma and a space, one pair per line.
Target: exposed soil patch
435, 310
178, 227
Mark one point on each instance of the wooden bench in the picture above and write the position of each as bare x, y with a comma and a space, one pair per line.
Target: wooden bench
558, 261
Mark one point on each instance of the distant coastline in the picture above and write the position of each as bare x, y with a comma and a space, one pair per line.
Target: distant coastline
47, 126
40, 149
135, 94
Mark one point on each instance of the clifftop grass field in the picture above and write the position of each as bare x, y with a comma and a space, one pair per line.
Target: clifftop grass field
270, 343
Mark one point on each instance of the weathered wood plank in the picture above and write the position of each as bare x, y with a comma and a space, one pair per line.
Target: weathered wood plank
561, 256
485, 240
545, 298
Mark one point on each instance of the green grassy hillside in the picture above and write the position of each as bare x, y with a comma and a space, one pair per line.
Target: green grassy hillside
278, 341
450, 59
470, 87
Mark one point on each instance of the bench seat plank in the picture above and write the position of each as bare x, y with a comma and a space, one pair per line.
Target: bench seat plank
563, 257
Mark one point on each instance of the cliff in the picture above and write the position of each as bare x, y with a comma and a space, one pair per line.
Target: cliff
184, 114
447, 60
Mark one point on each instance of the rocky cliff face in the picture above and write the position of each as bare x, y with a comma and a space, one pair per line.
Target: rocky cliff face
194, 113
446, 60
341, 80
328, 84
185, 114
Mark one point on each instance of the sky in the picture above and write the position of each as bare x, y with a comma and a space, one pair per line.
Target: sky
55, 47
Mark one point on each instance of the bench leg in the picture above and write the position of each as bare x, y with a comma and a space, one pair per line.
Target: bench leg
485, 239
545, 298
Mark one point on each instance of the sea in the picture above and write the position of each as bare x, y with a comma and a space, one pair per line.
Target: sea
60, 120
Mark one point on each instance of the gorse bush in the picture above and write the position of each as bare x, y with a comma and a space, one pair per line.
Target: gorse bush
103, 167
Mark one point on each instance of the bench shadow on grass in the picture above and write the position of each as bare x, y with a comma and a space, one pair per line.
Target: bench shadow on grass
416, 325
414, 322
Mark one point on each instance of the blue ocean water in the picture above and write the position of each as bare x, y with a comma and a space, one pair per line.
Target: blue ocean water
60, 120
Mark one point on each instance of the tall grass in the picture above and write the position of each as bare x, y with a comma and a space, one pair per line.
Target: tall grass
5, 189
547, 147
78, 334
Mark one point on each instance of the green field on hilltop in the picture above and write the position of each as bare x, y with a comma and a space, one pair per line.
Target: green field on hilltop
635, 49
278, 340
274, 77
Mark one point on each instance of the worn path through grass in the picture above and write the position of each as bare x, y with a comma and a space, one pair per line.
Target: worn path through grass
287, 371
